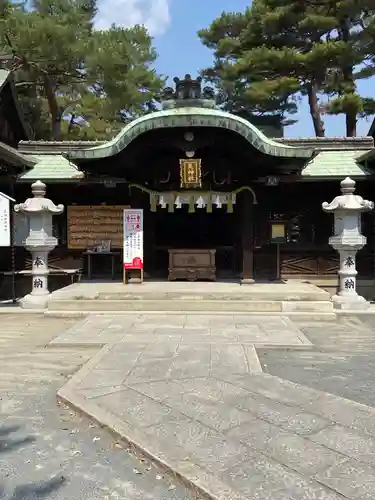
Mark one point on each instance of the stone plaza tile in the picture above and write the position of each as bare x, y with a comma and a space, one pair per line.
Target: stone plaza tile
149, 370
174, 330
352, 478
160, 350
342, 411
161, 320
211, 387
221, 320
164, 390
251, 322
187, 338
94, 392
345, 412
252, 358
302, 455
119, 348
139, 329
347, 442
86, 337
276, 389
187, 351
228, 358
218, 455
296, 452
200, 444
92, 330
262, 478
270, 338
255, 433
209, 411
134, 407
120, 361
180, 431
103, 378
124, 321
190, 368
148, 338
289, 418
182, 388
197, 320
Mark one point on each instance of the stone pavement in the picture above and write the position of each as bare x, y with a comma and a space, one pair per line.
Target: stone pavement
49, 451
189, 392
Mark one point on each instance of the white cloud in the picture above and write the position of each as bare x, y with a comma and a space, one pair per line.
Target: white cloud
154, 14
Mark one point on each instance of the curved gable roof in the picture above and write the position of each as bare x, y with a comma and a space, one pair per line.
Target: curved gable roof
192, 117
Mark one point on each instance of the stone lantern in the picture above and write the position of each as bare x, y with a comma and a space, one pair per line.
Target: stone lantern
347, 240
39, 242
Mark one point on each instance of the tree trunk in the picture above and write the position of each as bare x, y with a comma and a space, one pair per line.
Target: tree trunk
53, 108
71, 123
347, 71
351, 124
314, 110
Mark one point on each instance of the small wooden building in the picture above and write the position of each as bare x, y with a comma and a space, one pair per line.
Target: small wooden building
206, 180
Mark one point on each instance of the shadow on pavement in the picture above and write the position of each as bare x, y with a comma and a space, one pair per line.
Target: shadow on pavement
30, 491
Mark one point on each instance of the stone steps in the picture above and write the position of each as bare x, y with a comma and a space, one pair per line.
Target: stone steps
189, 305
295, 316
212, 298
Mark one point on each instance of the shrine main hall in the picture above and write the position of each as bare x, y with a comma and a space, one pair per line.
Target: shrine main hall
223, 197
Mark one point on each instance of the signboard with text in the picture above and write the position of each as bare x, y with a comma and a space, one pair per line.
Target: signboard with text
133, 238
5, 230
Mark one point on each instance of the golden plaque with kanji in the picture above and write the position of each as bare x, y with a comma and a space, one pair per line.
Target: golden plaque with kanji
190, 173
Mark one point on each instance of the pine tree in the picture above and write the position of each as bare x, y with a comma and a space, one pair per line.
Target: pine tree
354, 33
245, 93
286, 47
76, 81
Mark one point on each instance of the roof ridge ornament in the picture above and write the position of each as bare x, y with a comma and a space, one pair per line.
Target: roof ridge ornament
188, 93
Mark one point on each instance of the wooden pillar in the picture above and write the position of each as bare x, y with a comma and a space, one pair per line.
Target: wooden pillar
247, 233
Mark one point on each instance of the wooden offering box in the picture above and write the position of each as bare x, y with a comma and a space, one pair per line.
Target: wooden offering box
192, 264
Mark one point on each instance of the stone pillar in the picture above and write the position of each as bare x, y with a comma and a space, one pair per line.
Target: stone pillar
247, 232
347, 240
39, 243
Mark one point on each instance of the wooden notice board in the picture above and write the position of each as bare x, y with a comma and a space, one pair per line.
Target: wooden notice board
89, 225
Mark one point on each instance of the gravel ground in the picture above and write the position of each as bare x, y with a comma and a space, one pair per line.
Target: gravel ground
341, 361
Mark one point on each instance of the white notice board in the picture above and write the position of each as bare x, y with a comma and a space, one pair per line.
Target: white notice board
20, 228
133, 238
5, 230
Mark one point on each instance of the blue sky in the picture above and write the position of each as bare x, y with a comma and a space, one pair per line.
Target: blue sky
180, 50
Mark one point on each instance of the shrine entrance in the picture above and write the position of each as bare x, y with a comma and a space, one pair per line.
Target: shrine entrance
200, 230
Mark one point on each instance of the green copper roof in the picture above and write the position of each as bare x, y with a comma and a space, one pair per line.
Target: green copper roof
367, 156
329, 164
52, 167
14, 157
192, 117
335, 164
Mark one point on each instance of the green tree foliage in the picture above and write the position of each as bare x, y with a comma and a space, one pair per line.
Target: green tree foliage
75, 81
281, 48
245, 93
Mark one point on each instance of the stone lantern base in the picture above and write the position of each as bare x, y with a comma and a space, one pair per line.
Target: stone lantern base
350, 303
31, 301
